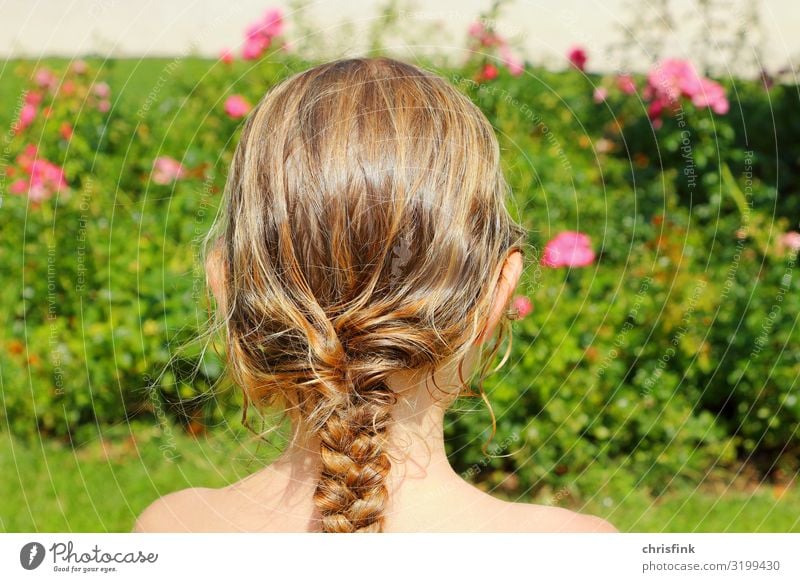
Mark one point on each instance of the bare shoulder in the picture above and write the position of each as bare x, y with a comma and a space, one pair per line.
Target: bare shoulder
186, 510
529, 517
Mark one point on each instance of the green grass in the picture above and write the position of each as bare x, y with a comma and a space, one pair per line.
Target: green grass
104, 484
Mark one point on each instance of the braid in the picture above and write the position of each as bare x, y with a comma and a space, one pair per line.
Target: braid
351, 494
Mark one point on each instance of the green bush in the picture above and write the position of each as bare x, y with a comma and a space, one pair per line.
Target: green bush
662, 361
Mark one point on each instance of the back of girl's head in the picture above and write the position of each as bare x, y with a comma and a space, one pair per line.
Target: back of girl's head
363, 234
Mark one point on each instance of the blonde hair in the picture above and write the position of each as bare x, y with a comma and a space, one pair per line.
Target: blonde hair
364, 230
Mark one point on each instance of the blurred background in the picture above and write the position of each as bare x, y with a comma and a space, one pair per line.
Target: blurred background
653, 150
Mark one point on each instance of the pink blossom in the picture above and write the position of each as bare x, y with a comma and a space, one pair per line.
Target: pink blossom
167, 170
655, 108
19, 186
44, 177
600, 94
711, 94
523, 305
254, 47
488, 72
226, 56
513, 63
26, 116
101, 90
577, 57
79, 67
65, 131
237, 106
68, 88
104, 105
476, 29
273, 22
45, 78
673, 78
33, 98
568, 249
259, 35
626, 84
791, 240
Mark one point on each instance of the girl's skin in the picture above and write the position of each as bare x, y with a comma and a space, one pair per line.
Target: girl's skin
425, 493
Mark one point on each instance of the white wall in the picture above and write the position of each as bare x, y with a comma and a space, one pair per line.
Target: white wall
544, 29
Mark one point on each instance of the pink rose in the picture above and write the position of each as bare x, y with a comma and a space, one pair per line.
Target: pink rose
711, 94
488, 72
259, 35
600, 94
45, 78
523, 305
79, 67
44, 177
273, 22
673, 78
513, 63
791, 240
26, 116
568, 249
577, 57
101, 90
626, 84
167, 170
237, 106
65, 131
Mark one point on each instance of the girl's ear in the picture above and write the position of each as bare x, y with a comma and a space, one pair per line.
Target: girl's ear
507, 283
215, 271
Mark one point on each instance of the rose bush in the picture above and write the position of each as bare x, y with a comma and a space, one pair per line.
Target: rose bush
662, 346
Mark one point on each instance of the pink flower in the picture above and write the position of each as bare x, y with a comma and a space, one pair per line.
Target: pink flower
655, 108
523, 305
259, 35
45, 78
19, 186
626, 84
104, 105
673, 78
577, 57
513, 63
101, 90
26, 116
568, 249
711, 94
484, 36
236, 106
65, 131
273, 22
44, 177
226, 56
79, 67
600, 94
33, 98
791, 240
476, 29
167, 170
68, 88
254, 48
488, 72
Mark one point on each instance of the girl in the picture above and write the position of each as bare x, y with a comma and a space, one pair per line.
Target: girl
364, 259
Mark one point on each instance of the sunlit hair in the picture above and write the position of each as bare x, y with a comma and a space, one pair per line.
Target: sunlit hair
363, 233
